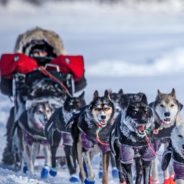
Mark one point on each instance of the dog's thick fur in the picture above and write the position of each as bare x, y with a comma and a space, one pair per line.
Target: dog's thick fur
57, 130
130, 139
176, 151
92, 128
166, 109
32, 123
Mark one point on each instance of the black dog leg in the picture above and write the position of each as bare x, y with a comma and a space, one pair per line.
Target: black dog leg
70, 159
146, 171
54, 147
113, 162
139, 170
127, 173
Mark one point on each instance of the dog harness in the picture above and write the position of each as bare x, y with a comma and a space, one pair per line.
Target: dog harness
179, 170
95, 132
87, 143
67, 138
178, 165
30, 140
128, 153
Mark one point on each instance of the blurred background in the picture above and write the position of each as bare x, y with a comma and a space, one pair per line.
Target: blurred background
137, 45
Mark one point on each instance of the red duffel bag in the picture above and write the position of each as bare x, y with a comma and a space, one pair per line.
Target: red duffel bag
70, 64
11, 64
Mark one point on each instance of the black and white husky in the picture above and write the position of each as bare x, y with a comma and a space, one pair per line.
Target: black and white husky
130, 139
116, 99
30, 136
57, 131
176, 151
92, 129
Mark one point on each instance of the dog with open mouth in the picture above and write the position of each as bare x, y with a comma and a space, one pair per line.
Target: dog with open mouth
175, 151
166, 109
130, 139
116, 99
92, 129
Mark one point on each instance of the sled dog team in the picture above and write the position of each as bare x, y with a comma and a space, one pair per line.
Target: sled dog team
124, 126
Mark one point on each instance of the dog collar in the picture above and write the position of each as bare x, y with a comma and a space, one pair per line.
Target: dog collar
98, 138
98, 131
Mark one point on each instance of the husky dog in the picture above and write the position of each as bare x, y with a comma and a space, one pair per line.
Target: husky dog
32, 123
56, 130
91, 129
116, 99
166, 110
130, 139
176, 151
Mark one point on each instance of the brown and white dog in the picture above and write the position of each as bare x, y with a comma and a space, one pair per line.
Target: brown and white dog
166, 109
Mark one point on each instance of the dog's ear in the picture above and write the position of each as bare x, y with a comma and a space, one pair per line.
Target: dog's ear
173, 93
95, 95
144, 99
82, 95
106, 94
159, 94
110, 92
120, 92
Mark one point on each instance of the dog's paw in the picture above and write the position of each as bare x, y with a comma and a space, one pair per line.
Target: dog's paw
169, 181
100, 174
45, 172
74, 179
88, 181
25, 169
53, 172
115, 172
154, 181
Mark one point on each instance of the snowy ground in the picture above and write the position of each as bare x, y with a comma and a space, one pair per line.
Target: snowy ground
133, 48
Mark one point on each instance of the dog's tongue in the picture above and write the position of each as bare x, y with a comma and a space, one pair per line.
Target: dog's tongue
141, 128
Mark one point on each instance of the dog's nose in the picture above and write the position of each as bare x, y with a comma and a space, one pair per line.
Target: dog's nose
183, 146
167, 114
103, 116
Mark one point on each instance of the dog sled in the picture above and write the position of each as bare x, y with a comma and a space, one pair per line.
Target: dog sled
39, 70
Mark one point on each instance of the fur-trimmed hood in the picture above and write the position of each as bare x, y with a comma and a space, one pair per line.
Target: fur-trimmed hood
38, 33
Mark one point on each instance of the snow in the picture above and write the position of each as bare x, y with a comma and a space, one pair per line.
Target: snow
128, 46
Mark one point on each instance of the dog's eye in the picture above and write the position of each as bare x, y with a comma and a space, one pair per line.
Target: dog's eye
98, 109
180, 136
172, 105
161, 105
47, 111
107, 108
40, 112
135, 111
